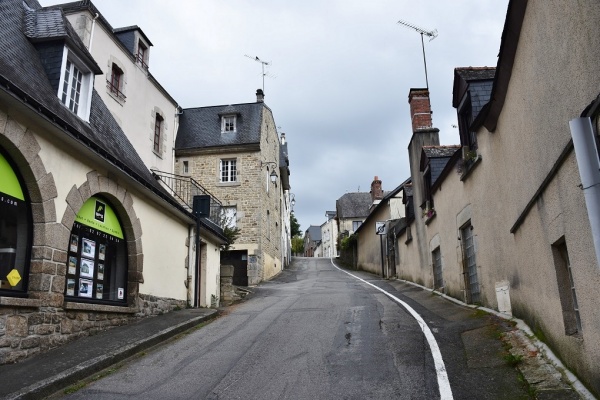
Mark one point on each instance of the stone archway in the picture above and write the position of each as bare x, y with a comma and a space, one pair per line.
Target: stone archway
122, 202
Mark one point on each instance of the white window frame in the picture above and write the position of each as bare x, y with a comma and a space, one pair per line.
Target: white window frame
228, 169
229, 124
85, 90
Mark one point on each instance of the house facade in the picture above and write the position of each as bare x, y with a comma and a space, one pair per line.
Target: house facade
79, 247
235, 150
511, 228
313, 242
329, 235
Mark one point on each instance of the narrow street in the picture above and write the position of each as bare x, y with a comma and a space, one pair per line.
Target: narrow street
315, 332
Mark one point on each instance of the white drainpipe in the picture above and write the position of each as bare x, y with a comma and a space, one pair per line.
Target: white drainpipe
586, 153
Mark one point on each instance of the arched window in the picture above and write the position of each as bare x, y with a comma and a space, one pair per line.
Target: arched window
97, 259
15, 231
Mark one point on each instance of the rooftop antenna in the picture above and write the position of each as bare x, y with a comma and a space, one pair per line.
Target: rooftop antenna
432, 35
263, 63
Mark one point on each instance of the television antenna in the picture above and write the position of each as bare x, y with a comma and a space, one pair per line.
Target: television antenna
263, 63
431, 34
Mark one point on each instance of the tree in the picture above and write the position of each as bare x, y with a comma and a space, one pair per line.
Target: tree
295, 226
297, 245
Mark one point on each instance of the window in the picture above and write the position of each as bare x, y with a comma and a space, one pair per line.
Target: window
469, 264
228, 170
116, 82
158, 124
15, 231
229, 217
468, 138
97, 257
75, 88
228, 123
186, 167
268, 225
142, 55
566, 288
438, 280
356, 225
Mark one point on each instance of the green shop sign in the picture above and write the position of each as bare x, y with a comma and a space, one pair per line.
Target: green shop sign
96, 214
9, 183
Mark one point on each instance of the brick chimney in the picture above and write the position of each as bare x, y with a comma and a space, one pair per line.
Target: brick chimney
420, 109
260, 96
376, 191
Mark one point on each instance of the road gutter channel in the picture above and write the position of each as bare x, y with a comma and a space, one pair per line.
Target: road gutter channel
440, 368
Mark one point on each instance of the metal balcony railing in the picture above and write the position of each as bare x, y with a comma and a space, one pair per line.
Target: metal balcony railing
184, 188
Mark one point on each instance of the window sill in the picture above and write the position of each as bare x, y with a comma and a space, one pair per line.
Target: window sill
115, 97
69, 305
20, 302
470, 167
228, 184
430, 217
157, 154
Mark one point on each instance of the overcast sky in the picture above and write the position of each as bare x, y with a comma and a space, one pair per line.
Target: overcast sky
338, 81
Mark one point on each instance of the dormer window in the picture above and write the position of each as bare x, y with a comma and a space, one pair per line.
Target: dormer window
465, 119
75, 89
142, 55
228, 123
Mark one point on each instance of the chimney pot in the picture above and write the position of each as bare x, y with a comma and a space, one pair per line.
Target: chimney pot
260, 96
376, 191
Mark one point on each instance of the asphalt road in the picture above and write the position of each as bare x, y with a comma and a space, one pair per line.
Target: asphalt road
315, 332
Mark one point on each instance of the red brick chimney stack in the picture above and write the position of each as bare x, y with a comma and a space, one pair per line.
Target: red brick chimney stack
420, 109
376, 191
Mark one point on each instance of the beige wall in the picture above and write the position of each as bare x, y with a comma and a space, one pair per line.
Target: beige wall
370, 244
136, 114
556, 64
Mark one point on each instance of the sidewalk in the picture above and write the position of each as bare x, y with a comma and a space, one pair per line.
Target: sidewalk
45, 374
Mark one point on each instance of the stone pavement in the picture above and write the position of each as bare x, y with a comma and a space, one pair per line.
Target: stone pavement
44, 374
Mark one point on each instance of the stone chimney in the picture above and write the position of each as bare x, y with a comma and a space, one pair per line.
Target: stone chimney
260, 96
420, 109
376, 191
282, 138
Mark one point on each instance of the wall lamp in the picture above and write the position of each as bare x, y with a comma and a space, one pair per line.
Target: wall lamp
272, 164
292, 200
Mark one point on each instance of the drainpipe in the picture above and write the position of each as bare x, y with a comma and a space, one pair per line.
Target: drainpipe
92, 31
586, 154
197, 266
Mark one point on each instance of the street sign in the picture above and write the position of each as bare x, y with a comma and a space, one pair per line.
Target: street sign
380, 228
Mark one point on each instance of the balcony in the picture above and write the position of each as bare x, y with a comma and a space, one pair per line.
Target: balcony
184, 188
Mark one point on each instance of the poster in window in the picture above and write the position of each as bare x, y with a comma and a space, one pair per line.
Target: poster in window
120, 293
100, 272
85, 288
86, 269
74, 241
89, 248
101, 251
99, 290
70, 287
72, 265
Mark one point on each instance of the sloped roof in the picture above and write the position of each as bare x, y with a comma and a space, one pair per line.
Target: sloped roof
476, 73
314, 232
354, 205
201, 127
23, 77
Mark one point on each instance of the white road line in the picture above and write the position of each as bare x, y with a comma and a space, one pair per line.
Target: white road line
440, 368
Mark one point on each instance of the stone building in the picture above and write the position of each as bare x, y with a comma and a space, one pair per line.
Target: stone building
79, 248
235, 150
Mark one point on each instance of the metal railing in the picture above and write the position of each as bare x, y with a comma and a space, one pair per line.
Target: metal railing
184, 188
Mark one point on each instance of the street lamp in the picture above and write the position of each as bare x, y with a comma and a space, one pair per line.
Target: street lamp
273, 175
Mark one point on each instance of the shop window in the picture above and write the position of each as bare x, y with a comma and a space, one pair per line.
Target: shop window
97, 259
15, 231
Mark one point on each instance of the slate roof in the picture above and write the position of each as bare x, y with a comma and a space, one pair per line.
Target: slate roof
314, 233
440, 151
478, 81
437, 157
354, 205
201, 127
23, 76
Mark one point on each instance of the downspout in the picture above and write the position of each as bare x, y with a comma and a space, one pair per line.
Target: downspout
197, 266
92, 31
586, 153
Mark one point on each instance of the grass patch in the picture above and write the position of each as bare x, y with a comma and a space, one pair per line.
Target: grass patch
80, 385
513, 360
479, 313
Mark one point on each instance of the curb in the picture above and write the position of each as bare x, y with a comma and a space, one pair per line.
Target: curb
73, 375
